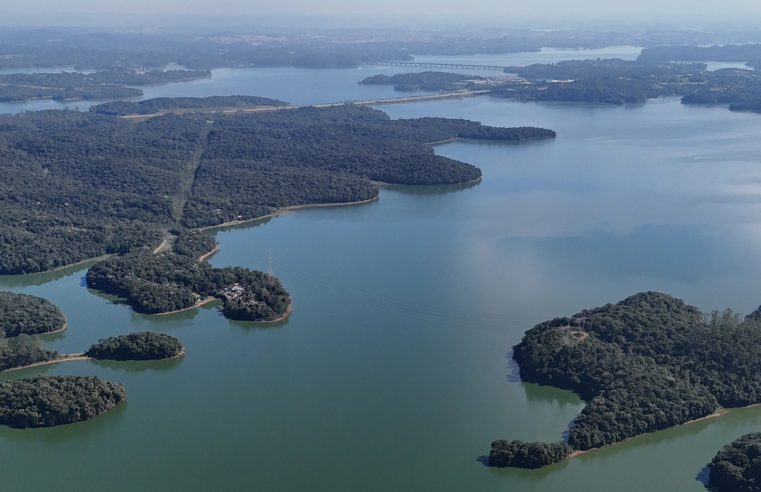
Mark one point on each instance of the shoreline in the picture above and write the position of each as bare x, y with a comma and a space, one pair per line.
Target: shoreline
82, 356
384, 184
63, 358
208, 255
198, 304
59, 330
284, 211
719, 412
282, 318
288, 107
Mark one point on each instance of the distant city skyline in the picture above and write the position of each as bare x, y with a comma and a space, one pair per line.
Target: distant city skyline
492, 12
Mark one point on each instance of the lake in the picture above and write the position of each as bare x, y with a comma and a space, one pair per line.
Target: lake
313, 86
394, 372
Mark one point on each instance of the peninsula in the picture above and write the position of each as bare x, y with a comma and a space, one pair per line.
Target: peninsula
83, 185
647, 363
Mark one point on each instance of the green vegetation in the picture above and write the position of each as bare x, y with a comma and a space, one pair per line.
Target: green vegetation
619, 82
75, 186
110, 84
519, 454
28, 315
46, 401
168, 282
136, 346
737, 467
183, 104
424, 81
194, 244
718, 53
647, 363
21, 351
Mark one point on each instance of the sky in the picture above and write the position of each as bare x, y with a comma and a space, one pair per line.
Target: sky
507, 12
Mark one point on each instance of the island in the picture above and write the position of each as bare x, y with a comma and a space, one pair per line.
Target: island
137, 346
737, 466
46, 401
426, 81
81, 185
22, 314
71, 86
647, 363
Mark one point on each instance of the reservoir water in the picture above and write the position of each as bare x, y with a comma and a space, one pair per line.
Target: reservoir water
394, 372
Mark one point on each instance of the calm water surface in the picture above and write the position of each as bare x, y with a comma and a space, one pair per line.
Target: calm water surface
393, 372
310, 86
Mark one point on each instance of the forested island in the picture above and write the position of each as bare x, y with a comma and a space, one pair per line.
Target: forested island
77, 186
45, 401
425, 81
183, 104
737, 467
108, 84
647, 363
137, 346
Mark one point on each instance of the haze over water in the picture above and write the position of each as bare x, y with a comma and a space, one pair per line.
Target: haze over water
393, 372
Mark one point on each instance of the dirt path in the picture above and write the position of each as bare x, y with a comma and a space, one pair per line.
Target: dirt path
189, 177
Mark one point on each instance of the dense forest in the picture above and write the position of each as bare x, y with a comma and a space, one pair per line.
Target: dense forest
136, 346
180, 104
108, 84
749, 53
519, 454
45, 401
75, 186
194, 244
424, 81
621, 82
23, 350
647, 363
28, 315
168, 282
737, 467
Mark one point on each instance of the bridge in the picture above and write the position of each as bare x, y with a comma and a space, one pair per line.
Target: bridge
268, 109
440, 66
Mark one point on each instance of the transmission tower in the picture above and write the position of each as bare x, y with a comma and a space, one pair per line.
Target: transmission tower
269, 264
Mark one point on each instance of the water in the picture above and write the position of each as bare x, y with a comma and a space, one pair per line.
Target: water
393, 372
545, 55
310, 86
714, 65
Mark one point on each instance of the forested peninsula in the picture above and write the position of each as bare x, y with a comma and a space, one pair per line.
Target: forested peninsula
737, 466
183, 104
45, 401
606, 81
76, 186
644, 364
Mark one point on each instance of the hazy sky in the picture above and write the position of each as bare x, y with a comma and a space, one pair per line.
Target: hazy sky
409, 11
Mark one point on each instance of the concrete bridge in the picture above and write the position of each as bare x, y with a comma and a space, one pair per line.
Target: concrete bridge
438, 66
